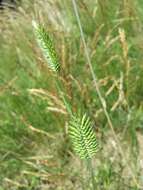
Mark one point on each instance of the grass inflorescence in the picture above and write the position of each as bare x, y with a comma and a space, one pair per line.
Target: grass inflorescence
99, 56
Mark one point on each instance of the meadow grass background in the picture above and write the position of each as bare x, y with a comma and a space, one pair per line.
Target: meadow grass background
35, 151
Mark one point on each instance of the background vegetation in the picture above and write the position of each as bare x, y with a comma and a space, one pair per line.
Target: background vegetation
35, 151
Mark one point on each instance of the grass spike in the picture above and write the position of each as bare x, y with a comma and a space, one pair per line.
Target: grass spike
46, 46
83, 136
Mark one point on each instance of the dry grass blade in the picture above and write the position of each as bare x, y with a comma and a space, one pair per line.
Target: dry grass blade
102, 100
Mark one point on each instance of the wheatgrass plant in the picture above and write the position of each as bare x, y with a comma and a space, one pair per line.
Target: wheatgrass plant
48, 50
46, 46
34, 146
81, 131
84, 140
83, 136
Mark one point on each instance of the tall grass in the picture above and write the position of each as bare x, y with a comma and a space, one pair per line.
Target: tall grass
35, 151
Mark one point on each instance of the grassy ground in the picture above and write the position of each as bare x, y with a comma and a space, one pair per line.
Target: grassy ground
35, 151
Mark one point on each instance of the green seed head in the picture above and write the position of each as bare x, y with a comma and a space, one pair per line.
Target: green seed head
83, 136
46, 46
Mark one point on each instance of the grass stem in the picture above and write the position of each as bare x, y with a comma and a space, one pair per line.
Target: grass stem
102, 100
65, 101
90, 168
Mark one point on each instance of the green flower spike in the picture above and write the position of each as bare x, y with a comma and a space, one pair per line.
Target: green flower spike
46, 46
83, 136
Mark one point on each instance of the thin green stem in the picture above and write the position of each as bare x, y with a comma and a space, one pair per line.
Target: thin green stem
83, 185
90, 168
64, 98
